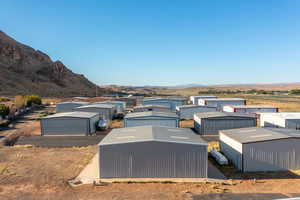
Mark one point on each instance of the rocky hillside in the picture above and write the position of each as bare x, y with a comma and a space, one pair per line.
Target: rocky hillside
24, 70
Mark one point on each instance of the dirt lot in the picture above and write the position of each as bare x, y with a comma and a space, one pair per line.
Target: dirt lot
42, 173
30, 173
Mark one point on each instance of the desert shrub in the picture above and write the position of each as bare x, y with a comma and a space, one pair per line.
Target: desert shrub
3, 99
20, 101
295, 92
33, 99
4, 110
4, 123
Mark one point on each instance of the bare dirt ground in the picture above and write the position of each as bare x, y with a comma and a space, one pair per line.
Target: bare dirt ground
42, 173
35, 173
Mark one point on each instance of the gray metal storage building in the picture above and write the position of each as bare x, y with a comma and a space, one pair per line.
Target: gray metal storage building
220, 102
151, 118
262, 149
168, 102
69, 123
146, 108
69, 106
212, 122
194, 99
106, 111
250, 109
130, 101
120, 105
281, 120
152, 152
188, 111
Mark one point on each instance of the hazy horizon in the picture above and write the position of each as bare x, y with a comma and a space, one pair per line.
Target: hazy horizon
159, 43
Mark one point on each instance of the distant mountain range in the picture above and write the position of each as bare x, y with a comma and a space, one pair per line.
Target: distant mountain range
24, 70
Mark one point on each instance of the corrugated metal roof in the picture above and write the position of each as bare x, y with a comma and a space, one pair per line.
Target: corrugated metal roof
73, 114
77, 102
225, 99
224, 114
251, 106
151, 106
152, 133
259, 134
194, 106
152, 114
98, 106
164, 99
111, 102
284, 115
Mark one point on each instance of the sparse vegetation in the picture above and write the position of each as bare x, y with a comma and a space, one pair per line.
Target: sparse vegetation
22, 101
213, 145
4, 99
4, 110
233, 92
294, 92
33, 99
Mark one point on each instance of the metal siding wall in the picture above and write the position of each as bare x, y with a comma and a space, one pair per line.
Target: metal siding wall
266, 156
197, 127
293, 124
65, 126
233, 155
153, 109
188, 113
160, 103
254, 110
66, 107
220, 104
176, 103
93, 123
151, 122
103, 112
212, 126
153, 160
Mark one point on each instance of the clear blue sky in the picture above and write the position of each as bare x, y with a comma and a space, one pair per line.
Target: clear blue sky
163, 42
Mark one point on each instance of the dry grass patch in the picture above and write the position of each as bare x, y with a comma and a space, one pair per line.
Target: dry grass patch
213, 145
186, 123
116, 123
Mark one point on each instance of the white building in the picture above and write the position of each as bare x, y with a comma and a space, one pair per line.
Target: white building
194, 99
250, 109
289, 120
